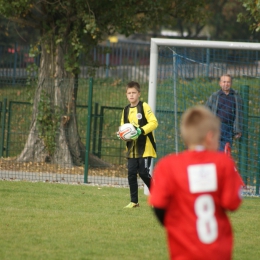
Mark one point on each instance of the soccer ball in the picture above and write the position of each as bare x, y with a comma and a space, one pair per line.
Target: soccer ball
126, 131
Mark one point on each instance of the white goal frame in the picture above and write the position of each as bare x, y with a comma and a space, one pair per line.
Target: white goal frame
154, 47
155, 42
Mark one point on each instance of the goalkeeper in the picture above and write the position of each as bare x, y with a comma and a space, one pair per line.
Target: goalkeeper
142, 148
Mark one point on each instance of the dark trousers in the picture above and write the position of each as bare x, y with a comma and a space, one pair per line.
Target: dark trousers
139, 166
226, 135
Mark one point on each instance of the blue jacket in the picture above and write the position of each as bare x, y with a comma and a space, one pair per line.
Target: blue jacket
212, 104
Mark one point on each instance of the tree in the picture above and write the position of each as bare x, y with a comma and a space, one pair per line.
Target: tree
191, 28
11, 32
62, 25
251, 15
223, 25
219, 23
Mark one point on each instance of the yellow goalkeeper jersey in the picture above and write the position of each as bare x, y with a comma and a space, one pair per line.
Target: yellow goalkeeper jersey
141, 115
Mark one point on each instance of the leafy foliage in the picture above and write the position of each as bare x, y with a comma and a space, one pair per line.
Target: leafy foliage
11, 33
78, 25
218, 23
252, 15
48, 121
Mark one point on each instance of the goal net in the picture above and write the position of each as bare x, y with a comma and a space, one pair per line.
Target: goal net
184, 73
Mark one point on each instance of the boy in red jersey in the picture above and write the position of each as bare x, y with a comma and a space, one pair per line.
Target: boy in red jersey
193, 190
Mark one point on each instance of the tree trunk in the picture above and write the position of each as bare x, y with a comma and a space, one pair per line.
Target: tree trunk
54, 133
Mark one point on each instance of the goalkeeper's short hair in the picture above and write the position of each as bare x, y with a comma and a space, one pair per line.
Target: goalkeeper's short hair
133, 84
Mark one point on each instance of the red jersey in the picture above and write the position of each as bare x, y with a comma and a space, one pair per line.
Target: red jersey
196, 188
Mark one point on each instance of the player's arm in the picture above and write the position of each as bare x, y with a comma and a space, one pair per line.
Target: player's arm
162, 188
231, 186
152, 122
121, 123
122, 118
160, 214
239, 117
207, 104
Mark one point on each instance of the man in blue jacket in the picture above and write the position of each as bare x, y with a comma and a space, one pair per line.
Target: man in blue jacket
227, 104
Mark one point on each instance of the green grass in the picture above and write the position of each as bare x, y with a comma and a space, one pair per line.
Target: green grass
57, 221
246, 227
50, 221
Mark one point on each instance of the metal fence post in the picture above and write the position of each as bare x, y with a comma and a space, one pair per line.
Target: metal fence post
243, 143
8, 128
15, 63
120, 61
88, 129
107, 58
257, 186
95, 129
208, 62
100, 131
4, 110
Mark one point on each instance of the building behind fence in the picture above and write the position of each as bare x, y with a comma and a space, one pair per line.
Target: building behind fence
194, 73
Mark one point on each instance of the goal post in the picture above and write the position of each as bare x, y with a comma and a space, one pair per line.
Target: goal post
156, 42
183, 73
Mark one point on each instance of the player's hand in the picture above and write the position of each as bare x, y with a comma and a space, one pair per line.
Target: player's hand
138, 132
238, 135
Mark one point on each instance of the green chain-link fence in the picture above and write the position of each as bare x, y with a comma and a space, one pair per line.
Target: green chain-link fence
106, 161
185, 77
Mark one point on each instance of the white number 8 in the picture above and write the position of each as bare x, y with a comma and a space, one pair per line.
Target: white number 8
207, 226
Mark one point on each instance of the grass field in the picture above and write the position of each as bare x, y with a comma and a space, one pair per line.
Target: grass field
58, 221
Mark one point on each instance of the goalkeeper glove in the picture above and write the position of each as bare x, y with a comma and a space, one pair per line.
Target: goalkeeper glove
138, 132
118, 136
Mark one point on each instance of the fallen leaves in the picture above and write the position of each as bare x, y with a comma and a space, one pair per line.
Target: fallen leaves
10, 164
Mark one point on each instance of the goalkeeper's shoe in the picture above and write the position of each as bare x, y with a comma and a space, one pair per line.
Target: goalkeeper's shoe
131, 205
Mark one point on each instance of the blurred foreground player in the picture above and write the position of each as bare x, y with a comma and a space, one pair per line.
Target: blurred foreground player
193, 190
